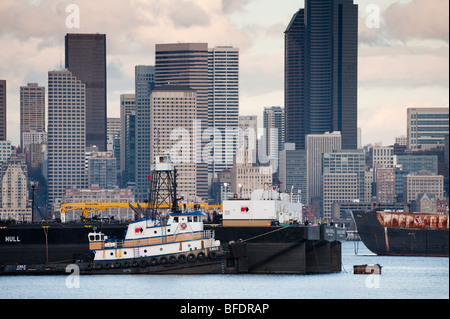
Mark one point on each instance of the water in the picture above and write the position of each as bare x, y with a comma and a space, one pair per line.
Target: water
402, 277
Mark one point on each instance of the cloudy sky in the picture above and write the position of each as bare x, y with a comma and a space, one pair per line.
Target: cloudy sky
403, 49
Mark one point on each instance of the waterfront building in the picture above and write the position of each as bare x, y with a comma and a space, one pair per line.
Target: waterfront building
321, 71
86, 59
66, 133
427, 127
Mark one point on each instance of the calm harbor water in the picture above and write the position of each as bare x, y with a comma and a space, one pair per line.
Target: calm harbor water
402, 277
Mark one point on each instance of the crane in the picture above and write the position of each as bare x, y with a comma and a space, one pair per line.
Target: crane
90, 207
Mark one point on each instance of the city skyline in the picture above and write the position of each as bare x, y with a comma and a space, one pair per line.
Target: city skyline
392, 75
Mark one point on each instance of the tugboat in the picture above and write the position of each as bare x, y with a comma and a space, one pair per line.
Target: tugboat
163, 241
156, 242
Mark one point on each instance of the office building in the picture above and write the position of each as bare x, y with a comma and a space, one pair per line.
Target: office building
381, 156
186, 64
321, 71
32, 109
427, 127
223, 106
5, 151
3, 126
127, 107
173, 118
385, 185
292, 170
247, 177
273, 134
86, 59
316, 145
144, 84
102, 170
113, 139
66, 134
415, 163
423, 182
343, 178
14, 202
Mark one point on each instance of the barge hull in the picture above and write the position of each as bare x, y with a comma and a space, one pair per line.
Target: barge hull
400, 241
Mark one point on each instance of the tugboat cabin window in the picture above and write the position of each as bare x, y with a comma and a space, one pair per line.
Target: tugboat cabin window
195, 218
175, 219
189, 219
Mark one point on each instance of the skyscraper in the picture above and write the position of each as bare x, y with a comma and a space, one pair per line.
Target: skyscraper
127, 107
321, 51
316, 145
66, 133
32, 109
187, 64
86, 59
144, 85
173, 114
427, 127
2, 110
223, 105
273, 133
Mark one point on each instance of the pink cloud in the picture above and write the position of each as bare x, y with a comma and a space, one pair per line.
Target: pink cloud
422, 19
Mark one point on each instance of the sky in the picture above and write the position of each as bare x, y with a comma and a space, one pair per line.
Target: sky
403, 49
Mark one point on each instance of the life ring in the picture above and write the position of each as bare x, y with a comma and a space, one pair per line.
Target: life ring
183, 225
117, 265
126, 264
212, 254
89, 267
107, 265
163, 260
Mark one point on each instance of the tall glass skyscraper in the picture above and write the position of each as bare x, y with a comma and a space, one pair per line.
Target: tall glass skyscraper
187, 64
86, 59
223, 105
144, 85
321, 53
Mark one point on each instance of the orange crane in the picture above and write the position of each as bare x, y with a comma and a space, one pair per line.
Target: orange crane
90, 207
